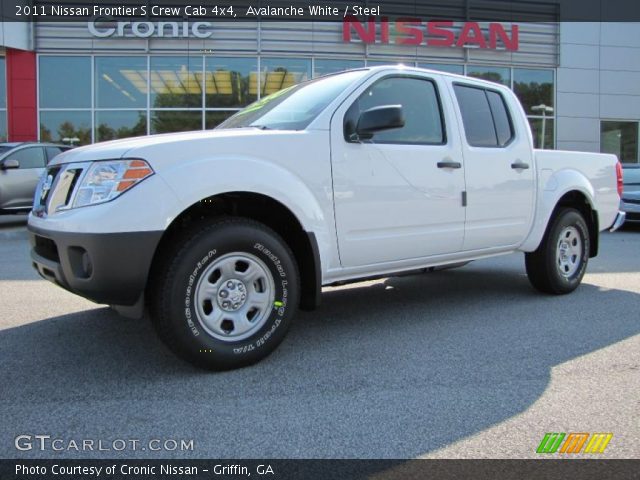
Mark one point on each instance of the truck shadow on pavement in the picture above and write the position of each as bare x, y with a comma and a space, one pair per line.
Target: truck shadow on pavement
392, 369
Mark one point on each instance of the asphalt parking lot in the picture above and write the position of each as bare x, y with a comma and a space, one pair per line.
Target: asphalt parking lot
466, 363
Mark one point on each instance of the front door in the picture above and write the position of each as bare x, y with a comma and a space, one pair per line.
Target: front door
398, 196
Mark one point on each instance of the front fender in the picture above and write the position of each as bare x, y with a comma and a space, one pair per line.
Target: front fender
552, 187
309, 202
198, 180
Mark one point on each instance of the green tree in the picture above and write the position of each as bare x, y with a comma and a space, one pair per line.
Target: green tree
68, 130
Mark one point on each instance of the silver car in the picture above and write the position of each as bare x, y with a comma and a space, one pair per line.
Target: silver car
631, 195
21, 165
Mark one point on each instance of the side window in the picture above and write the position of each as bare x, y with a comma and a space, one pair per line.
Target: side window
32, 157
485, 117
476, 116
52, 152
504, 130
420, 105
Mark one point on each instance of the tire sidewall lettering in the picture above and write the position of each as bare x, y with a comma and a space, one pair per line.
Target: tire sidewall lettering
192, 322
276, 318
585, 250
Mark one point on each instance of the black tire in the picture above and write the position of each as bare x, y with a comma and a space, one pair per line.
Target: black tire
544, 268
173, 305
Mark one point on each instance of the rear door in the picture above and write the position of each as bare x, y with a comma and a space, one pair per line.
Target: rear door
17, 186
398, 195
499, 167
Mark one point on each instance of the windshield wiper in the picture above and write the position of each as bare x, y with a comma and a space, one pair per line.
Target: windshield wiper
261, 127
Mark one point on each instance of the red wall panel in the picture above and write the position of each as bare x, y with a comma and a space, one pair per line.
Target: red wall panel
22, 108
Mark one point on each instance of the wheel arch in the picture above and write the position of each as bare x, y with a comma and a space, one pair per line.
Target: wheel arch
574, 198
261, 208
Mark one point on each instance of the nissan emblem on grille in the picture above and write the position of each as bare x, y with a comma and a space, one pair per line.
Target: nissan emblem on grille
46, 186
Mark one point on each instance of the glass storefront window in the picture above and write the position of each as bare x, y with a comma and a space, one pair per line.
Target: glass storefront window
65, 82
279, 73
176, 82
227, 81
121, 82
175, 121
324, 66
3, 125
68, 126
493, 74
534, 88
213, 119
120, 124
393, 61
542, 131
123, 107
621, 139
444, 67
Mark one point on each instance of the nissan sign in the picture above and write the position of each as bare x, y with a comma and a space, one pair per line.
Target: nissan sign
414, 31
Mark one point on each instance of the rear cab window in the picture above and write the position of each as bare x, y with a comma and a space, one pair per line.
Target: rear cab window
486, 119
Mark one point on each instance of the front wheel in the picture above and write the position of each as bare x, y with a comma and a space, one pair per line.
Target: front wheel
227, 296
559, 263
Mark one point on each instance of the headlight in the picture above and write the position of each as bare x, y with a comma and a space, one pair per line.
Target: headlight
105, 180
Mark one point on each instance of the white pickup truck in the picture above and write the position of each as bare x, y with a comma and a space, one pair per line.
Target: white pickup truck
221, 235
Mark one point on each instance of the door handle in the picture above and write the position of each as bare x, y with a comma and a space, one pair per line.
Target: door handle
519, 165
449, 164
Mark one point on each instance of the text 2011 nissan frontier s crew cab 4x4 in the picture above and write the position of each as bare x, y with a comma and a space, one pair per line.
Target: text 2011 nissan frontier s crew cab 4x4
222, 234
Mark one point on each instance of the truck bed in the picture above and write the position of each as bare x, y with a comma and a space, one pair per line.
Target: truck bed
594, 172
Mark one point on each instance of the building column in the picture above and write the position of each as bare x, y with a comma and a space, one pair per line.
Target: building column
22, 105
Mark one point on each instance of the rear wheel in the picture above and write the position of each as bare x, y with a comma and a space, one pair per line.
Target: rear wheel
227, 296
559, 263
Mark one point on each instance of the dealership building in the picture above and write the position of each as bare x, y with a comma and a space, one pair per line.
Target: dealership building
84, 82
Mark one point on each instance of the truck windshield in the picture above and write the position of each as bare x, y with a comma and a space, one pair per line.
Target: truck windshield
295, 107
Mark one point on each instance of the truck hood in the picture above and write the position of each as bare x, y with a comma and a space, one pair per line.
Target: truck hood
127, 147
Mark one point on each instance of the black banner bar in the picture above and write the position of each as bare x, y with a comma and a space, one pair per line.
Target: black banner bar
320, 10
320, 469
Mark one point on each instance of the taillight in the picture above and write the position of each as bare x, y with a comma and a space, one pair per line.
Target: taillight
619, 177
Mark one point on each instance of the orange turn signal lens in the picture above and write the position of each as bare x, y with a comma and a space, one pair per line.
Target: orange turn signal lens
123, 185
138, 164
137, 173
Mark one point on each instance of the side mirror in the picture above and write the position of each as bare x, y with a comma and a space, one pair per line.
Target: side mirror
10, 164
377, 119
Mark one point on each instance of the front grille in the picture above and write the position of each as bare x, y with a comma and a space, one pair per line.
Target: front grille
635, 201
55, 191
62, 189
51, 175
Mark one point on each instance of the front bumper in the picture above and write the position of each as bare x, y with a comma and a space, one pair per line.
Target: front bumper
110, 268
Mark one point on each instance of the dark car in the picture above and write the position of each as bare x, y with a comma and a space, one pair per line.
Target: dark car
631, 195
21, 165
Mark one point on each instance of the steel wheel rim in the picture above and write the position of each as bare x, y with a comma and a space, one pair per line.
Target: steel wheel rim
569, 251
234, 297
